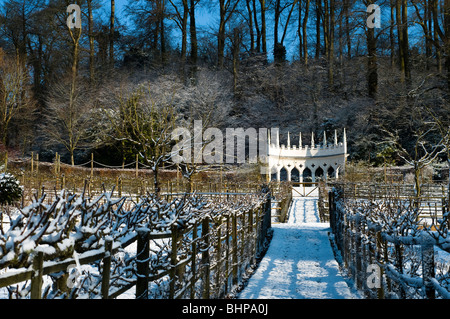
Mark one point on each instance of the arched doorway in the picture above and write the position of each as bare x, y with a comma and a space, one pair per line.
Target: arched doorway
307, 175
319, 174
283, 175
295, 175
331, 172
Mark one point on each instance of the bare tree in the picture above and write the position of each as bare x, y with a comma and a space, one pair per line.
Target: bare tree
112, 30
15, 99
279, 49
181, 16
68, 117
145, 125
421, 153
227, 9
444, 132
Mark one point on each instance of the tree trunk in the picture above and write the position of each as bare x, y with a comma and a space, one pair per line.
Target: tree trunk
194, 43
162, 29
318, 13
221, 35
91, 41
427, 31
391, 33
417, 187
276, 22
72, 159
236, 49
258, 31
331, 45
347, 28
447, 39
326, 25
405, 39
401, 55
111, 33
75, 35
299, 31
250, 26
372, 76
263, 25
436, 34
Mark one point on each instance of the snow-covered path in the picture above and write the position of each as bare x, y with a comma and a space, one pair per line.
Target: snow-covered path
299, 263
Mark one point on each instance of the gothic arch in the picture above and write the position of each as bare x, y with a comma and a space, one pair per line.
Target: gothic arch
319, 174
331, 172
283, 174
307, 175
295, 175
303, 163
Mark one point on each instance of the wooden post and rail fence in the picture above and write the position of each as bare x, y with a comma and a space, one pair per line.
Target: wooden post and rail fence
385, 262
206, 257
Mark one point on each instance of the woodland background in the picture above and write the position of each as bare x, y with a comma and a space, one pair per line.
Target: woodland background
300, 65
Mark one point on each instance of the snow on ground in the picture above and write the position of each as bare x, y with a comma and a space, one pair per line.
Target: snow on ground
299, 263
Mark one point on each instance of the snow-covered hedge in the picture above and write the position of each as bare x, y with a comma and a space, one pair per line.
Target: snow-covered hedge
75, 223
10, 190
391, 231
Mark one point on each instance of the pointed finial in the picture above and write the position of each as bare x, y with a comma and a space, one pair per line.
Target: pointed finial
312, 140
300, 141
278, 139
289, 141
335, 138
324, 139
345, 141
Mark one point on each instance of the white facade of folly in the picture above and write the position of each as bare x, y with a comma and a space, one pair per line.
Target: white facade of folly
306, 163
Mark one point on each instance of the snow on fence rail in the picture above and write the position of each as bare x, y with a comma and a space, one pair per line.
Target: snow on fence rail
386, 233
190, 246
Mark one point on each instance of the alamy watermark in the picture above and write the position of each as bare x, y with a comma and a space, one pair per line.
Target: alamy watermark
74, 18
212, 146
374, 278
374, 19
75, 278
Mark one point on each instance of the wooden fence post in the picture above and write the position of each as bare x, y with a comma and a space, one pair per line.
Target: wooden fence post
227, 260
428, 268
56, 163
399, 265
142, 254
106, 268
36, 281
137, 166
193, 261
350, 246
92, 165
331, 211
358, 255
250, 241
234, 255
173, 261
219, 256
267, 214
257, 231
205, 258
378, 256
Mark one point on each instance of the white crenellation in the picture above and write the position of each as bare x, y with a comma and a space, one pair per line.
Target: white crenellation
324, 160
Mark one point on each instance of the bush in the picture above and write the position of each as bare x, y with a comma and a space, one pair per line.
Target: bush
10, 190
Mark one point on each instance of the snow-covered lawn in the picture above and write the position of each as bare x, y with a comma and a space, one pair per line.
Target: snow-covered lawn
299, 263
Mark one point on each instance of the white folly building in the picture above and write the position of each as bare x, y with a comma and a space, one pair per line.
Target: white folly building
306, 163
